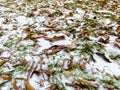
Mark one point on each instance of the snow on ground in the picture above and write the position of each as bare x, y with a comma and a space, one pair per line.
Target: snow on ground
59, 45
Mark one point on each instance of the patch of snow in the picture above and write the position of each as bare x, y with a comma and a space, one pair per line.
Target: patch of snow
112, 50
44, 44
40, 18
22, 20
5, 54
112, 68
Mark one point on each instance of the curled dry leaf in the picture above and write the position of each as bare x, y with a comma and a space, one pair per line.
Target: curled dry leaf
118, 40
85, 83
52, 52
118, 30
56, 38
3, 62
110, 86
14, 84
103, 56
5, 77
54, 49
28, 86
88, 84
49, 71
70, 64
104, 38
32, 37
117, 45
35, 36
86, 36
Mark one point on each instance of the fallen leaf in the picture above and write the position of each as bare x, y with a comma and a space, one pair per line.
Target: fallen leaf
54, 49
117, 45
109, 75
28, 86
118, 30
103, 56
32, 36
52, 52
52, 87
110, 86
14, 84
5, 77
49, 71
104, 39
118, 40
85, 83
35, 36
83, 66
23, 63
56, 38
3, 62
86, 37
70, 64
105, 36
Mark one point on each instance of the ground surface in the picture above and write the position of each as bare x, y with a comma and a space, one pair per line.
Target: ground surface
59, 44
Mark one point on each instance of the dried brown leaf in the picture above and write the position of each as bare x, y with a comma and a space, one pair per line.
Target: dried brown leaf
5, 77
104, 39
83, 66
118, 30
109, 75
56, 38
23, 63
103, 56
85, 83
110, 86
70, 64
49, 71
117, 45
28, 85
52, 87
86, 36
14, 84
32, 36
3, 62
54, 49
118, 40
105, 36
